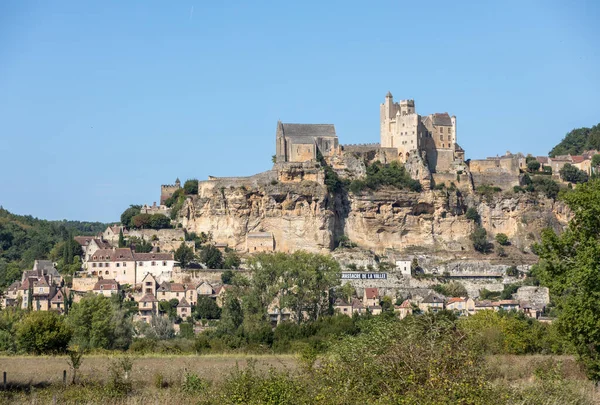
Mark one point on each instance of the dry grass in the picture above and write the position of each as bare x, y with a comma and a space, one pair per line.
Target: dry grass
42, 370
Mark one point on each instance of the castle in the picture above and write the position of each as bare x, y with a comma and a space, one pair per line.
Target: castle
167, 190
403, 133
432, 137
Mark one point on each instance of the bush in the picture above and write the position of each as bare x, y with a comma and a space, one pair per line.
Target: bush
572, 174
533, 166
479, 239
544, 185
43, 332
380, 175
190, 187
502, 239
452, 289
193, 384
473, 215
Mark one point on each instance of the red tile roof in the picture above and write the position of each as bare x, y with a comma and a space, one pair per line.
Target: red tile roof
577, 159
371, 293
456, 299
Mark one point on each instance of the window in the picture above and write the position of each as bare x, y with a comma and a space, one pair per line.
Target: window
105, 264
140, 263
441, 130
163, 293
102, 287
153, 264
41, 289
145, 304
164, 263
149, 283
118, 264
93, 264
441, 137
124, 264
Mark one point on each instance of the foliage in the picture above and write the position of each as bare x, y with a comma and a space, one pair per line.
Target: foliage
480, 241
332, 181
572, 174
42, 332
121, 239
508, 291
152, 221
227, 277
512, 271
380, 175
184, 255
24, 239
212, 257
139, 245
207, 308
451, 289
596, 160
169, 308
128, 215
487, 191
502, 239
569, 267
473, 215
345, 242
100, 323
346, 292
232, 260
544, 185
577, 141
190, 187
193, 384
485, 294
533, 166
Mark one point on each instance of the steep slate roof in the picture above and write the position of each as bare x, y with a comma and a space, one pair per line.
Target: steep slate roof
113, 255
484, 304
58, 297
356, 303
183, 303
101, 243
371, 293
542, 159
83, 240
308, 130
148, 298
14, 286
441, 119
152, 256
433, 299
110, 283
340, 303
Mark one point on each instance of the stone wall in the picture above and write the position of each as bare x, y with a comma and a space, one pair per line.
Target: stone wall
500, 172
538, 296
208, 187
461, 181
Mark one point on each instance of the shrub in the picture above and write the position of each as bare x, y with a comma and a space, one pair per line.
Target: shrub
190, 187
473, 215
502, 239
193, 384
43, 333
380, 175
572, 174
479, 239
533, 166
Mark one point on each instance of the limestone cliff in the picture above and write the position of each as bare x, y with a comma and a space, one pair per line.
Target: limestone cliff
303, 215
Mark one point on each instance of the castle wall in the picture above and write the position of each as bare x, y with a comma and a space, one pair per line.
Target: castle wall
167, 191
499, 172
301, 152
206, 187
461, 181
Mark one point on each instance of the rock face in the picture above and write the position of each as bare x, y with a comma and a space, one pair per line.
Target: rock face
297, 214
304, 216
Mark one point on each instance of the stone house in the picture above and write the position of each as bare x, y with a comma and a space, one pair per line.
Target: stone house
147, 307
111, 233
257, 242
485, 305
156, 209
298, 143
89, 245
461, 305
157, 264
168, 291
184, 309
405, 267
371, 297
432, 303
507, 305
220, 293
342, 307
106, 287
205, 289
57, 303
115, 263
404, 309
191, 295
41, 293
375, 309
12, 294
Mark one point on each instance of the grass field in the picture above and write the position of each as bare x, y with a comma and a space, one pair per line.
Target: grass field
42, 370
38, 380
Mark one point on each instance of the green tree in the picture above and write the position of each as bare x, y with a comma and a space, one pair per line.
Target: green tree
207, 308
232, 315
502, 239
596, 160
232, 260
159, 221
347, 292
43, 332
91, 322
473, 215
139, 245
572, 174
533, 166
569, 267
121, 238
227, 277
190, 187
184, 255
128, 215
141, 221
479, 239
577, 141
211, 257
169, 308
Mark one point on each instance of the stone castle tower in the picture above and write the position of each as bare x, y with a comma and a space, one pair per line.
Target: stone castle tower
167, 190
433, 136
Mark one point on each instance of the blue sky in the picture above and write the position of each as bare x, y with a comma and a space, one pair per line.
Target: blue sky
101, 102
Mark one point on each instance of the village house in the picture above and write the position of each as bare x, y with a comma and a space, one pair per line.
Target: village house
11, 296
220, 294
147, 307
371, 297
507, 305
404, 309
156, 209
432, 303
106, 287
168, 291
485, 305
111, 233
158, 264
461, 305
184, 309
57, 303
89, 245
342, 307
149, 285
257, 242
205, 289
